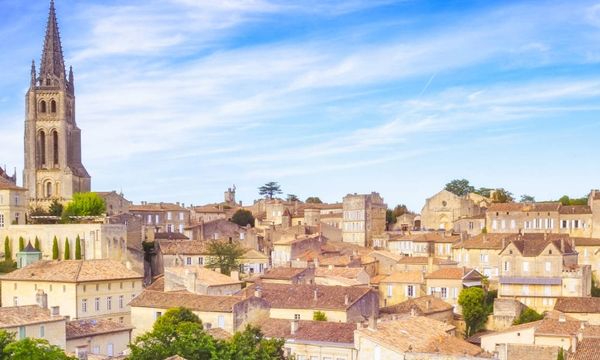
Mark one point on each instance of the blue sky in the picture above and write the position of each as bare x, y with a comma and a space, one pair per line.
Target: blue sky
179, 99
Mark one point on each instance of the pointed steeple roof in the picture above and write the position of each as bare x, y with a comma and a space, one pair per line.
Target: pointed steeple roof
52, 58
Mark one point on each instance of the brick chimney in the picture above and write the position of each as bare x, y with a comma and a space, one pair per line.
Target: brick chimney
315, 296
41, 298
346, 300
294, 326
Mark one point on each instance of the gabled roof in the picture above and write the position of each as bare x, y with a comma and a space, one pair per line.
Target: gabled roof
168, 300
8, 185
321, 331
283, 273
458, 273
84, 328
72, 271
587, 349
203, 275
25, 315
575, 209
183, 247
532, 246
525, 207
424, 305
578, 305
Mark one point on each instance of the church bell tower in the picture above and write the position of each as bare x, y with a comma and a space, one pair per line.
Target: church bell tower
53, 168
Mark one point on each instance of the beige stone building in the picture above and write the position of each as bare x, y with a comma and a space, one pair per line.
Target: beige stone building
98, 241
580, 308
206, 213
199, 280
79, 289
400, 286
34, 321
448, 283
161, 217
53, 167
116, 203
471, 225
289, 275
342, 276
97, 337
427, 306
363, 217
310, 340
538, 270
290, 247
13, 203
300, 302
481, 252
413, 338
444, 208
225, 312
438, 244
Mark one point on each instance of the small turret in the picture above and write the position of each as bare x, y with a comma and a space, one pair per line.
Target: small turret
71, 78
33, 74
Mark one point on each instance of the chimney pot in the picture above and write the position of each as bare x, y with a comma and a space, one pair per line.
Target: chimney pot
346, 299
295, 324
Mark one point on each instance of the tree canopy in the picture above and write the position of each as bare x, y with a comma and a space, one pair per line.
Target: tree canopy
566, 200
474, 310
460, 187
224, 255
527, 199
313, 200
28, 348
180, 332
243, 217
85, 204
528, 315
292, 198
270, 189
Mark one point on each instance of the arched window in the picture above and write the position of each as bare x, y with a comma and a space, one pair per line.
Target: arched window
55, 147
42, 106
42, 148
48, 189
52, 106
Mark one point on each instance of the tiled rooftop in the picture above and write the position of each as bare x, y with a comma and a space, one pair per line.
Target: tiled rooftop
325, 331
84, 328
25, 315
167, 300
73, 271
423, 305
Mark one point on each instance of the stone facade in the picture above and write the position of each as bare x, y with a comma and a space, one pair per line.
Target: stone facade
116, 204
363, 217
13, 203
444, 208
53, 167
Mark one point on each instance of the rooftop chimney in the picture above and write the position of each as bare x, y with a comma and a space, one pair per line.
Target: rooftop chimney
258, 292
295, 324
41, 299
316, 297
235, 275
562, 318
346, 300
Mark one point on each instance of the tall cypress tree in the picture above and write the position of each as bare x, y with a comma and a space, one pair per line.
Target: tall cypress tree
7, 254
37, 244
21, 243
78, 248
67, 250
55, 249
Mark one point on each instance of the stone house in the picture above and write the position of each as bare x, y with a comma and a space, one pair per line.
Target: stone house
199, 280
307, 340
34, 321
288, 275
471, 225
79, 289
444, 208
588, 253
161, 217
580, 308
413, 338
448, 283
97, 337
116, 203
342, 276
13, 203
300, 302
288, 248
254, 262
481, 252
400, 286
206, 213
428, 306
363, 217
538, 270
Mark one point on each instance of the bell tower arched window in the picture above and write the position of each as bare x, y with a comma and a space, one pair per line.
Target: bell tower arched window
53, 106
42, 148
55, 147
48, 189
42, 106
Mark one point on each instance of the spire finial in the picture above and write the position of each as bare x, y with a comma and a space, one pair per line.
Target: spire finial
53, 63
33, 74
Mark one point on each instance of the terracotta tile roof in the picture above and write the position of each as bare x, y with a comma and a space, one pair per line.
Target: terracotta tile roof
499, 207
219, 334
457, 273
157, 207
426, 237
158, 284
420, 335
532, 246
411, 277
584, 241
84, 328
525, 207
578, 304
283, 273
184, 247
387, 254
424, 305
299, 238
254, 254
25, 315
209, 209
284, 296
322, 331
204, 276
167, 300
587, 349
486, 241
72, 271
349, 273
424, 260
9, 185
575, 209
550, 325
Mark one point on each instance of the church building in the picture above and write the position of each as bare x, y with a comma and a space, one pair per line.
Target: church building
53, 167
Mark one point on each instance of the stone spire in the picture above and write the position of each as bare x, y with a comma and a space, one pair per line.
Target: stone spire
33, 73
53, 63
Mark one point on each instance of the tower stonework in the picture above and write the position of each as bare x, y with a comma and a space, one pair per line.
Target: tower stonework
53, 167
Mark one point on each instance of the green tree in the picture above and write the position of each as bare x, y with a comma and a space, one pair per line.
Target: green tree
460, 187
251, 344
270, 189
313, 200
319, 316
37, 245
56, 208
224, 255
472, 301
84, 204
21, 243
243, 217
7, 252
528, 315
561, 354
55, 249
292, 198
77, 248
5, 339
527, 199
177, 332
389, 217
566, 200
67, 249
502, 196
484, 191
36, 349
